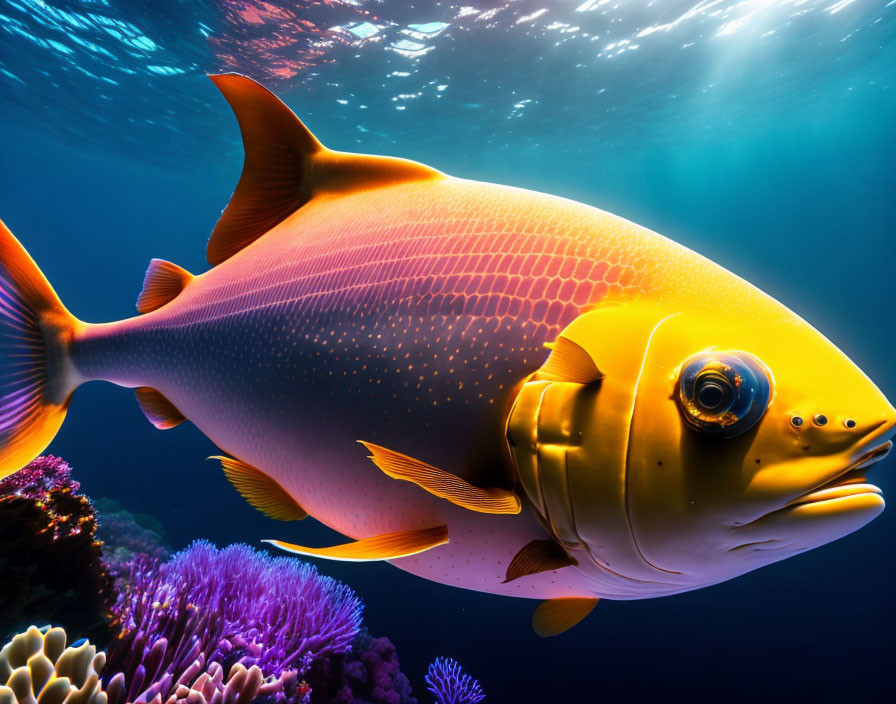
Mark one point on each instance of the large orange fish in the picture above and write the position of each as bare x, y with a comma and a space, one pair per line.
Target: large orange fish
553, 402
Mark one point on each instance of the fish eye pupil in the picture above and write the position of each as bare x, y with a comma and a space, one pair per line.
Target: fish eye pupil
820, 419
850, 423
796, 421
710, 395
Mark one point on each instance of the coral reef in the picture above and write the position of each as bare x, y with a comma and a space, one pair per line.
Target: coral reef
36, 667
126, 535
50, 560
369, 674
228, 607
450, 685
208, 626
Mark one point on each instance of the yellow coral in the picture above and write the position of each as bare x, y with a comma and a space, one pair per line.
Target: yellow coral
37, 668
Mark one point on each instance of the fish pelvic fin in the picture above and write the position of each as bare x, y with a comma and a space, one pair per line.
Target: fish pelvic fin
158, 410
557, 616
260, 490
538, 556
285, 167
442, 484
389, 546
163, 283
37, 378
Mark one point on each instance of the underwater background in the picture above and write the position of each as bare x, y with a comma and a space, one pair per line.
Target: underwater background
759, 133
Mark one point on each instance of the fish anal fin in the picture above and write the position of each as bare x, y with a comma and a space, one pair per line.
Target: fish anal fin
538, 556
442, 484
158, 410
568, 361
556, 616
260, 490
285, 166
163, 283
389, 546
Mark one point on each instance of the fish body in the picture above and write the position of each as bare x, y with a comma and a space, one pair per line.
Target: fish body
409, 327
579, 407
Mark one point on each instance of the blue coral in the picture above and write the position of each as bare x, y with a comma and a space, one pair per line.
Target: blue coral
235, 606
449, 684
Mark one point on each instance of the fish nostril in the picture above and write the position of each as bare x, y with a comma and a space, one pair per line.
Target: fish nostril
820, 419
849, 423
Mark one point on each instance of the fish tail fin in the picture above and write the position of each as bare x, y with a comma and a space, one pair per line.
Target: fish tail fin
36, 377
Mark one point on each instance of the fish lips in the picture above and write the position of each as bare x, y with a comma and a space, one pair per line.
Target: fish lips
837, 507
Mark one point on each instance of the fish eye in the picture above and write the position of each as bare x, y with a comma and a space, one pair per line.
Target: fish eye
723, 395
820, 419
849, 423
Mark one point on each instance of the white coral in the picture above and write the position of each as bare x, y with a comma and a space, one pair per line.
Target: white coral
37, 668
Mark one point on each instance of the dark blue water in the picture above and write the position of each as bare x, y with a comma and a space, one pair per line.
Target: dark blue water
760, 134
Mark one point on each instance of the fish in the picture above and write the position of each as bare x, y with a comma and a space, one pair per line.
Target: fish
490, 388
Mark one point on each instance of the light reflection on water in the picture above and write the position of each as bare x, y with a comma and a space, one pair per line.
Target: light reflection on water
511, 72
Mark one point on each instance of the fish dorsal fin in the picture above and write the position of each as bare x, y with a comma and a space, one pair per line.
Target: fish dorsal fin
569, 361
162, 284
285, 167
158, 410
260, 490
555, 616
538, 556
389, 546
442, 484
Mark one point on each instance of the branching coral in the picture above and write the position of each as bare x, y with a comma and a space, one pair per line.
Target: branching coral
37, 668
450, 685
49, 558
225, 607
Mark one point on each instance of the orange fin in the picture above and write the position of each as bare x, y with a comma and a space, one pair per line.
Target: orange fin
162, 284
158, 410
442, 484
285, 166
555, 616
36, 382
260, 490
538, 556
568, 361
389, 546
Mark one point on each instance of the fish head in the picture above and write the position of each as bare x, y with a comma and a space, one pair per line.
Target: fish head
750, 442
706, 446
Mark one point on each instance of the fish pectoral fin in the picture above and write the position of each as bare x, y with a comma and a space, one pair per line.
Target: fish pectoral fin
388, 546
285, 167
556, 616
260, 490
538, 556
158, 410
162, 283
568, 361
442, 484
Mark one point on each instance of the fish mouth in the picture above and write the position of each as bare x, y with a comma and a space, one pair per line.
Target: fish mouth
849, 483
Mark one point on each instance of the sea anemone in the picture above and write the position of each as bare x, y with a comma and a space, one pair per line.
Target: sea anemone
228, 607
51, 561
450, 685
35, 666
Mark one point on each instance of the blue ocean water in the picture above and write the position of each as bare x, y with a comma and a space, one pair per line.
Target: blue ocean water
758, 133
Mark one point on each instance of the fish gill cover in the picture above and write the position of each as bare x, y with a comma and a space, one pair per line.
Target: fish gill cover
512, 74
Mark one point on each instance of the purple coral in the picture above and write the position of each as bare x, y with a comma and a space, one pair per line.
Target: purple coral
370, 674
210, 609
449, 684
37, 479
